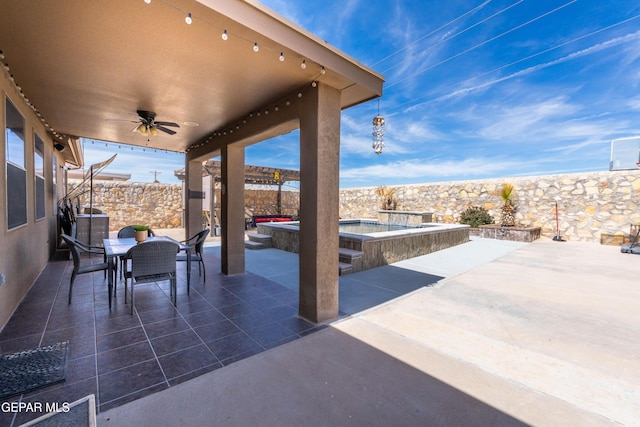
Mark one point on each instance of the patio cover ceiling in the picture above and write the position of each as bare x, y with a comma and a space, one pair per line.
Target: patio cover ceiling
87, 66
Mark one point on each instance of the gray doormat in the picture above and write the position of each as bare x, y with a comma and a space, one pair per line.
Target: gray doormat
81, 413
31, 369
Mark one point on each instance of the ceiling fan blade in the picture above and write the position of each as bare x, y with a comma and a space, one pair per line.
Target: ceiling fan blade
167, 124
164, 129
122, 120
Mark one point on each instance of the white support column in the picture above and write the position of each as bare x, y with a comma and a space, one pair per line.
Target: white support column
319, 203
232, 204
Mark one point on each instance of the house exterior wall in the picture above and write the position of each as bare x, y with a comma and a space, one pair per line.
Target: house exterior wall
25, 250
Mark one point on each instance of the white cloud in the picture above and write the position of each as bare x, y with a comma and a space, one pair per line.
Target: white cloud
417, 168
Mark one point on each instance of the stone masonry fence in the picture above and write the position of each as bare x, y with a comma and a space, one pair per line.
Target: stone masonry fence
591, 206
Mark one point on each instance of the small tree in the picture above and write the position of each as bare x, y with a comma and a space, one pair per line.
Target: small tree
507, 218
389, 202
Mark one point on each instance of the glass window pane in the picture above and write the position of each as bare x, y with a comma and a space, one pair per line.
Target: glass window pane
14, 135
38, 157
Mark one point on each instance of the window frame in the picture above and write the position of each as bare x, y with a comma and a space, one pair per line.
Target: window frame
16, 172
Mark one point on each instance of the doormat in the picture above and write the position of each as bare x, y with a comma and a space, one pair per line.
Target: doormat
28, 370
81, 413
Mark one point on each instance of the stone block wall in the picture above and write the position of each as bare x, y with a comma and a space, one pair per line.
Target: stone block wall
590, 205
127, 203
265, 202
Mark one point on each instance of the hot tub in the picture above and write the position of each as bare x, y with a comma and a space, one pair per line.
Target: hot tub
381, 244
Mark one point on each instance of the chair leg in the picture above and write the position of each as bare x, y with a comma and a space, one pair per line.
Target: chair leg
73, 278
174, 290
132, 296
204, 272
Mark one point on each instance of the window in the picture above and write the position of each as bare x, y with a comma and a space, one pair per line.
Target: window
38, 170
54, 181
16, 172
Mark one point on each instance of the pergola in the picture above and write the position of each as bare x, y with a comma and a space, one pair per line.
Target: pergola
253, 175
235, 75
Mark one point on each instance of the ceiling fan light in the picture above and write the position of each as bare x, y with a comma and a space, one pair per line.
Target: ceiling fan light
153, 131
142, 130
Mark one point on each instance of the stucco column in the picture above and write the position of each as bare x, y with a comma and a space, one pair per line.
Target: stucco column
319, 203
193, 197
232, 215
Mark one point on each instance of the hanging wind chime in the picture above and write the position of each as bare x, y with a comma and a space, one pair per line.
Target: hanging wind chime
378, 132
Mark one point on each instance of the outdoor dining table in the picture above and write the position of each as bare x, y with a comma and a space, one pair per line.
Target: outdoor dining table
118, 247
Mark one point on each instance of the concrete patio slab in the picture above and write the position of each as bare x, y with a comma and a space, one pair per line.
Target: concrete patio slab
545, 334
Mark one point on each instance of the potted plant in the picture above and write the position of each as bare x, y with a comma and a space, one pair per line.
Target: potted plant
507, 212
142, 232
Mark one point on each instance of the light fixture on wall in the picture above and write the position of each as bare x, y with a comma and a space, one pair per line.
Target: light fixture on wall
378, 132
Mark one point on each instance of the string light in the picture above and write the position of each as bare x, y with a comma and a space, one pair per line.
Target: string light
189, 20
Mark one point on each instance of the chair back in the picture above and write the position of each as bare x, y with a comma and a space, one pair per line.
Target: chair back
126, 232
201, 237
129, 232
74, 248
153, 258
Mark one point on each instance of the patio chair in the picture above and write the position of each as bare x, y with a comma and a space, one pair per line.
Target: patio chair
77, 248
196, 242
128, 232
151, 261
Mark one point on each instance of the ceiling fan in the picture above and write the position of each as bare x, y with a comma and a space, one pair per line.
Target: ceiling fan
148, 126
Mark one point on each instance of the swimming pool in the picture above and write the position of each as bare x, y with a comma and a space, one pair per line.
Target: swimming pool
379, 244
364, 227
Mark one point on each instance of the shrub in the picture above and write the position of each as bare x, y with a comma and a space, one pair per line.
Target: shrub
388, 195
476, 216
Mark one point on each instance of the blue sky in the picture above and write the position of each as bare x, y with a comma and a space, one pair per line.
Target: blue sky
474, 88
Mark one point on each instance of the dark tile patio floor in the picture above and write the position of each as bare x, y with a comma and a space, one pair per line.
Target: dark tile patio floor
120, 357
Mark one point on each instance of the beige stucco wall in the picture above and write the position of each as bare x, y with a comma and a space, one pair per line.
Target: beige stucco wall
24, 250
589, 204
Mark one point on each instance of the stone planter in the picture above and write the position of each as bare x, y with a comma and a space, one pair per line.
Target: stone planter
515, 233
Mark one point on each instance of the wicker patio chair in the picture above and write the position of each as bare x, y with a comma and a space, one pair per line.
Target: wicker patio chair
196, 242
79, 267
151, 261
128, 232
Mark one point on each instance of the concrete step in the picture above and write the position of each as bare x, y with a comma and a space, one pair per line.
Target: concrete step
264, 239
351, 257
344, 268
254, 245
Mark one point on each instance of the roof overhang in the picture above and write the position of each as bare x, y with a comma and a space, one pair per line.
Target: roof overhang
86, 67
